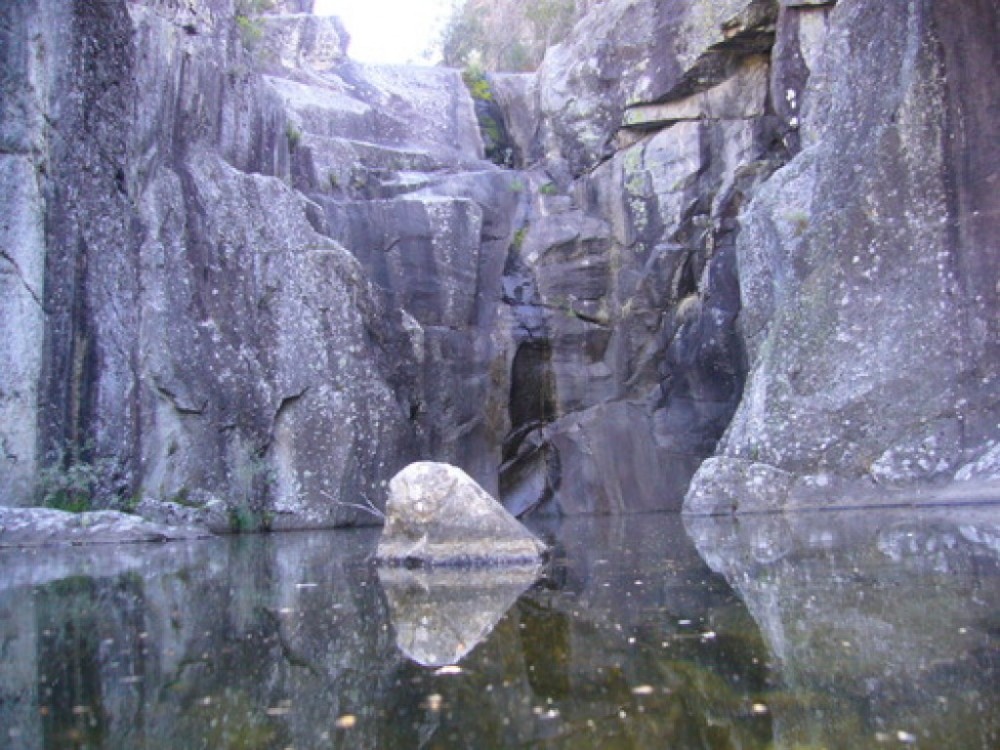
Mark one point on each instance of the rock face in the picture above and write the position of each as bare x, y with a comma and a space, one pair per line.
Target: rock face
623, 283
438, 516
281, 304
868, 265
237, 265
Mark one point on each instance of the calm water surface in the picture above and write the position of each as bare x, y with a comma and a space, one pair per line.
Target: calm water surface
816, 631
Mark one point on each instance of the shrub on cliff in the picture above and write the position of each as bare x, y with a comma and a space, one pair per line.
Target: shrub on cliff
507, 35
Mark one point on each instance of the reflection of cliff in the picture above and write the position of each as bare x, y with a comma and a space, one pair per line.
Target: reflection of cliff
594, 656
222, 644
872, 620
629, 640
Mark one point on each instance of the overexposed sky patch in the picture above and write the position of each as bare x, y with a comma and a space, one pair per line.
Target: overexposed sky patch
391, 31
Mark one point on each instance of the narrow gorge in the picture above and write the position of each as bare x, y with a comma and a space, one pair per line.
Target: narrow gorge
714, 255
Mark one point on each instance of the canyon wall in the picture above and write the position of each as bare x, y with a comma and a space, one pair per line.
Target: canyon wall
240, 267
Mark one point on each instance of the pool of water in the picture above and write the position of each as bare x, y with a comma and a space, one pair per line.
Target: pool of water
810, 631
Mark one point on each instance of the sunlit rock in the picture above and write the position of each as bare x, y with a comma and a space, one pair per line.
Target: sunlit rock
437, 515
441, 615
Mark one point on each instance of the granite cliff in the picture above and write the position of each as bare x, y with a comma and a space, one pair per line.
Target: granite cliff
241, 269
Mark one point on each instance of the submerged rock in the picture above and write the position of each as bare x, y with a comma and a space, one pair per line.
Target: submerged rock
438, 515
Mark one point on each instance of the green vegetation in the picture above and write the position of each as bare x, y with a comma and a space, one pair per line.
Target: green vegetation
549, 188
253, 483
248, 21
507, 35
72, 482
243, 520
294, 136
519, 236
477, 83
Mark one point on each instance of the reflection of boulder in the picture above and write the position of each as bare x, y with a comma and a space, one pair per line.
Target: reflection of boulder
438, 515
441, 615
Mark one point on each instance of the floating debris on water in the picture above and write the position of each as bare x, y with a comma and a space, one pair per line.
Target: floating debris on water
449, 670
282, 709
347, 721
643, 690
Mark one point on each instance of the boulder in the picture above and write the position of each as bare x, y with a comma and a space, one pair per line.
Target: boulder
38, 527
437, 515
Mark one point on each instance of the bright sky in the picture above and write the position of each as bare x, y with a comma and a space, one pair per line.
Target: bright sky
390, 31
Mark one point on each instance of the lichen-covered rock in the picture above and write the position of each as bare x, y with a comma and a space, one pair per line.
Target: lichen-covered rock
221, 328
868, 267
38, 527
629, 52
437, 515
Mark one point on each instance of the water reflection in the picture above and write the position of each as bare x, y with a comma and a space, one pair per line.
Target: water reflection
628, 640
885, 625
440, 615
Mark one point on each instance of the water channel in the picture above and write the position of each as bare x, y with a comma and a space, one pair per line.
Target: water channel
820, 630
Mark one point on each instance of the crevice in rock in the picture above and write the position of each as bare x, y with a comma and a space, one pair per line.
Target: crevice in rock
20, 275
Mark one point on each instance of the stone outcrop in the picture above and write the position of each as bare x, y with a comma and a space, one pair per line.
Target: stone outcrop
437, 515
40, 527
867, 268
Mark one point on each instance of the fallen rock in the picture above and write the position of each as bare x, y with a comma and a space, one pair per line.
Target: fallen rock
203, 512
438, 515
38, 527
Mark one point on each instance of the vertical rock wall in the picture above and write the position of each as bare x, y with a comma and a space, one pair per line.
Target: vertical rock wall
653, 127
868, 266
242, 267
237, 265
